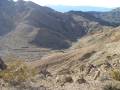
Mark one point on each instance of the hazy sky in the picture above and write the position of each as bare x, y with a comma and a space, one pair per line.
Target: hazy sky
96, 3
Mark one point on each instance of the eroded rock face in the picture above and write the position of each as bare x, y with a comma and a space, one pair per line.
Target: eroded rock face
3, 66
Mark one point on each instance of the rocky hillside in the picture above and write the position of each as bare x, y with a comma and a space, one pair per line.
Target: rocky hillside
91, 64
112, 16
48, 50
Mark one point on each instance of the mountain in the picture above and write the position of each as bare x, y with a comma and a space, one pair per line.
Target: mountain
34, 25
26, 26
47, 27
49, 50
6, 16
62, 8
112, 16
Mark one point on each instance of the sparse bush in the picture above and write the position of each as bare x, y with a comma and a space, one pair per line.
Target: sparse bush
115, 74
109, 57
82, 67
17, 72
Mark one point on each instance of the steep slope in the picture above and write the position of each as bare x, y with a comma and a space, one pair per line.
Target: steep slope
89, 63
93, 63
95, 42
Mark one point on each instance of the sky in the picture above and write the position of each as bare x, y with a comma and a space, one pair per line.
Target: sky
93, 3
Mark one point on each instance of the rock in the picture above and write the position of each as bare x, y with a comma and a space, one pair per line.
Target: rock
45, 72
81, 80
62, 79
2, 83
97, 74
69, 79
3, 66
89, 68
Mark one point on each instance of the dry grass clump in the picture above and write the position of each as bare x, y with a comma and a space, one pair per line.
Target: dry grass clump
17, 72
115, 74
82, 67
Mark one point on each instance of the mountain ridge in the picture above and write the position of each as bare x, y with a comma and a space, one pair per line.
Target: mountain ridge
33, 26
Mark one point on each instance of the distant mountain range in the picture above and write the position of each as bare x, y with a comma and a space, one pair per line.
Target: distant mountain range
62, 8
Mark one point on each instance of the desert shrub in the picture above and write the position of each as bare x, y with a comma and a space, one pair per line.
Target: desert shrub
17, 72
109, 57
115, 74
82, 67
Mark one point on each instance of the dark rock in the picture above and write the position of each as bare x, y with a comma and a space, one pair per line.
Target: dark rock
69, 79
3, 66
81, 80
